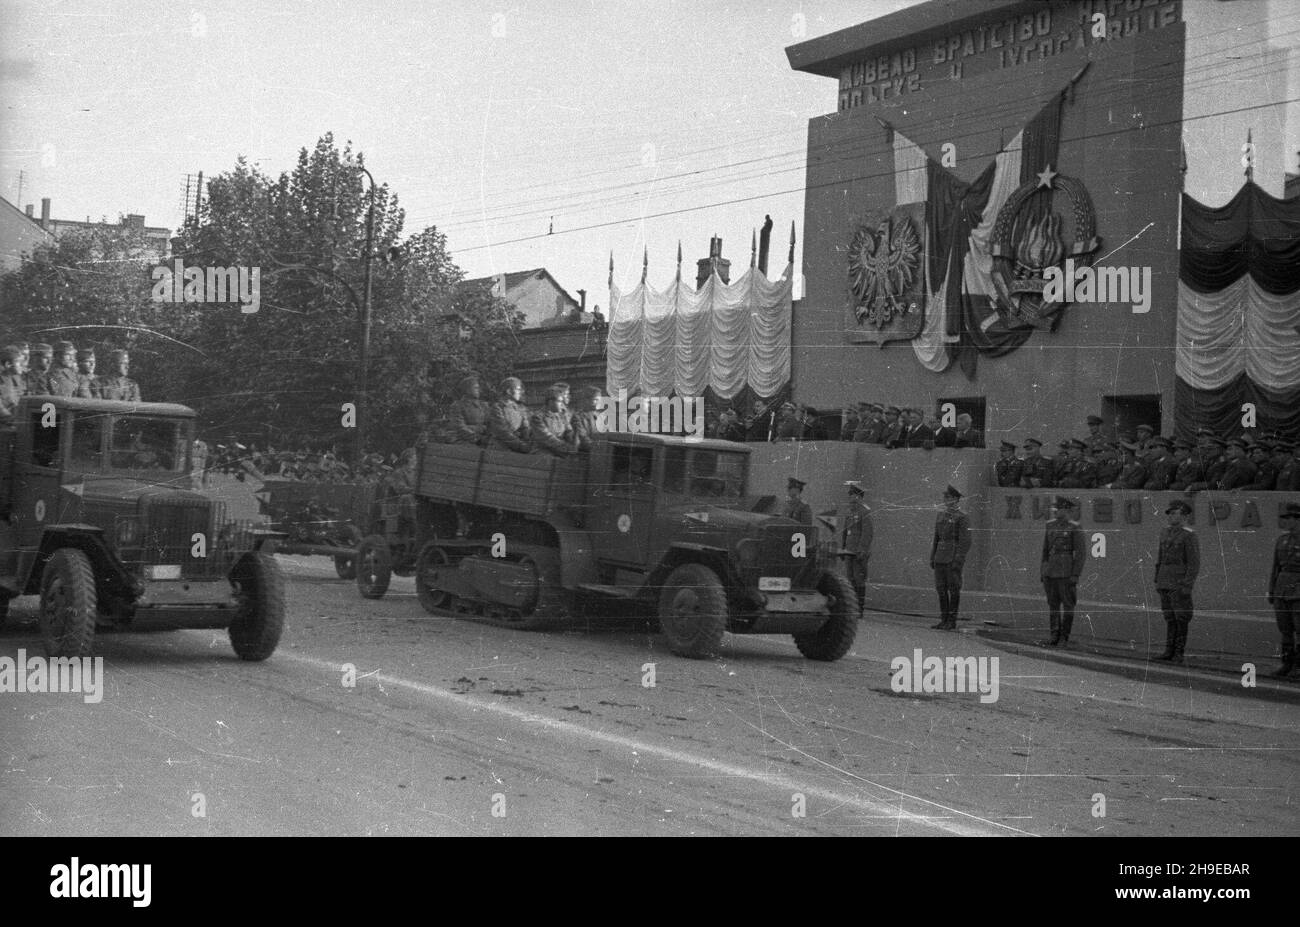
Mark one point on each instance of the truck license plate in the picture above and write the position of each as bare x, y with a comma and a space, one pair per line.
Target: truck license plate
774, 584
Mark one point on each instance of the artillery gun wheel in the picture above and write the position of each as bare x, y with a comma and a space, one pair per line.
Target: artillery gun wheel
68, 604
693, 611
431, 557
835, 637
259, 587
374, 567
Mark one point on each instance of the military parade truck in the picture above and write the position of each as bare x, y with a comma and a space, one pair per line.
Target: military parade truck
664, 523
97, 519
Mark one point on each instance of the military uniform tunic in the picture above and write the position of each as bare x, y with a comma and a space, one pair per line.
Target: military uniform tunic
553, 433
1036, 468
87, 386
856, 539
1079, 474
11, 390
62, 381
1288, 477
798, 510
37, 383
1160, 473
1008, 471
1284, 587
1132, 476
1239, 474
467, 421
948, 553
1189, 471
1178, 560
1064, 553
508, 426
123, 389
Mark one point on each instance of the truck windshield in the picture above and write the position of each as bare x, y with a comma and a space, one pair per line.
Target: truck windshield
704, 474
140, 443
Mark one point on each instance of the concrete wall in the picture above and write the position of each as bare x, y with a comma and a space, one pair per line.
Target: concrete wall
19, 235
1118, 601
1048, 386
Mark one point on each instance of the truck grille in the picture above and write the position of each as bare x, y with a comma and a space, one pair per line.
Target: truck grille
776, 559
167, 535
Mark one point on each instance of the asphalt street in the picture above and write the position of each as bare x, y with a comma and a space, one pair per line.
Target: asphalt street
457, 727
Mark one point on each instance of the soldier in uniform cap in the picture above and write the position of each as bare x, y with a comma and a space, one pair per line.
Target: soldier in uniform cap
1144, 434
1187, 468
855, 539
38, 373
1284, 584
1261, 455
1240, 472
1214, 463
1079, 472
871, 428
62, 380
1281, 457
12, 383
1178, 560
1064, 553
1105, 462
467, 418
1133, 472
552, 431
1160, 465
1035, 469
87, 384
1094, 439
948, 553
1008, 466
794, 507
587, 424
508, 420
1288, 475
118, 385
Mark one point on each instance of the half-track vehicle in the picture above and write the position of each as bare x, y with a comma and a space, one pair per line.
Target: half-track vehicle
663, 523
96, 518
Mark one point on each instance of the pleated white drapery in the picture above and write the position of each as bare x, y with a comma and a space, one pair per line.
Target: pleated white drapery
723, 336
1239, 328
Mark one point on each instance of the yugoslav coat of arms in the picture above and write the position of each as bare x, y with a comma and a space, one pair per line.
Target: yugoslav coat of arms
887, 277
1028, 238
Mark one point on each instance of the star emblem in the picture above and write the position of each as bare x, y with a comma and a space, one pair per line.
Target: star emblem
1045, 177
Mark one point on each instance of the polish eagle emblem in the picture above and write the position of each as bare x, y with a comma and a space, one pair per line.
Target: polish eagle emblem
884, 264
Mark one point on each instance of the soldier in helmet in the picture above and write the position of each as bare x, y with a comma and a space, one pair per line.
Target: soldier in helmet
1064, 554
468, 416
588, 421
948, 553
552, 431
38, 373
1178, 560
87, 384
62, 380
508, 422
118, 385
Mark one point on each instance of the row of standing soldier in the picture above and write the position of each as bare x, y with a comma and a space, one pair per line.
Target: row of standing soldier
508, 424
60, 370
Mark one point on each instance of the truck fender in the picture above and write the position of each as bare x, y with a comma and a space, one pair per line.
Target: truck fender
112, 579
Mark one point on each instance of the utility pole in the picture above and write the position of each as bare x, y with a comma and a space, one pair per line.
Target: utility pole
21, 178
363, 403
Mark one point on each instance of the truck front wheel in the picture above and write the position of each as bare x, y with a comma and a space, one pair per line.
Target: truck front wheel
259, 587
68, 604
834, 638
693, 611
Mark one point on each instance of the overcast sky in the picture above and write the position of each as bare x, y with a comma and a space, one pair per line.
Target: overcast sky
487, 119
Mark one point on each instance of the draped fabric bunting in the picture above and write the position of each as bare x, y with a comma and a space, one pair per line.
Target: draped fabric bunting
723, 337
1238, 324
963, 318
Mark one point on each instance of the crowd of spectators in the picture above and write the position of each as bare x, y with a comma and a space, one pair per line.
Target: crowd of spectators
865, 423
1257, 462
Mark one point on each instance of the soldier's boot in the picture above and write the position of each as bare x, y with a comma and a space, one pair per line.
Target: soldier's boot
944, 605
1288, 662
1171, 638
1066, 623
955, 599
1056, 631
1180, 643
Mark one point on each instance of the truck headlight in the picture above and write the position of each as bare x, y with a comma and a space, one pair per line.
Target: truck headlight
128, 532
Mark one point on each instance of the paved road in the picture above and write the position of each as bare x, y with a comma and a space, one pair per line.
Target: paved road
456, 727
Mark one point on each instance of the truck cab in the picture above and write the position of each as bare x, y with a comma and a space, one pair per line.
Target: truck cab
96, 517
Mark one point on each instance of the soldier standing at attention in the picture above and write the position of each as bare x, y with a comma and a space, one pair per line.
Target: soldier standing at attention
948, 553
468, 416
508, 421
1008, 467
856, 539
63, 375
1178, 560
552, 431
1035, 469
1064, 553
118, 385
1284, 585
87, 384
38, 375
794, 506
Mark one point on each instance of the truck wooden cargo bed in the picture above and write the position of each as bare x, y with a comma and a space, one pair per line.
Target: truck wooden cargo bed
534, 484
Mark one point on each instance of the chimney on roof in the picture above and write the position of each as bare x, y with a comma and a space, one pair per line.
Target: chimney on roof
28, 210
714, 263
133, 221
45, 212
582, 301
764, 243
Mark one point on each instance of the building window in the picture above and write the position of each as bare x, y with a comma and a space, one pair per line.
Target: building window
1125, 413
974, 406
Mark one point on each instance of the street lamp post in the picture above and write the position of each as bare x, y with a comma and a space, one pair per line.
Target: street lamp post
363, 402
